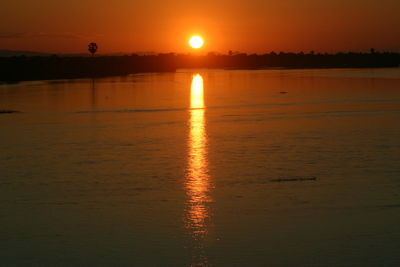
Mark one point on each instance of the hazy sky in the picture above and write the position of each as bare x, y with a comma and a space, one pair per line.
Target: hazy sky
66, 26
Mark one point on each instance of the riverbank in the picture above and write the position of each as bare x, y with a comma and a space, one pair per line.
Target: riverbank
24, 68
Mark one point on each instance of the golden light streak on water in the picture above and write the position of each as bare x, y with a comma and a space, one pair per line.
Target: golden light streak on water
197, 180
197, 93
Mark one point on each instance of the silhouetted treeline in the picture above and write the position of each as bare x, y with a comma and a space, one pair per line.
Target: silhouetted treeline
55, 67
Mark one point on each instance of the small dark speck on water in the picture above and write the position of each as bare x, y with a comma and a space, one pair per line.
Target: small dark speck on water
8, 111
294, 179
391, 206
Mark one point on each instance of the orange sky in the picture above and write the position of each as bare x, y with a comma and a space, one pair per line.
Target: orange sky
66, 26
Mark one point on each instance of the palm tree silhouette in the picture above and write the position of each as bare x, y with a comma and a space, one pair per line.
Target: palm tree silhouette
92, 48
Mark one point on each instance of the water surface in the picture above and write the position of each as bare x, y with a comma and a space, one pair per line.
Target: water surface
202, 168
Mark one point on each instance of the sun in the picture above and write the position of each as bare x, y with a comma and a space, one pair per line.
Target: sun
196, 41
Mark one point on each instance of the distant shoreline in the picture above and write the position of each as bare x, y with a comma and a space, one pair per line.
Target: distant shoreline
22, 68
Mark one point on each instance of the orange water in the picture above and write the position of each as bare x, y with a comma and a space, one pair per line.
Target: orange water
174, 170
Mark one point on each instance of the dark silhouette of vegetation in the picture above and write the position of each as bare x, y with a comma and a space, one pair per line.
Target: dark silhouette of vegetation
92, 47
57, 67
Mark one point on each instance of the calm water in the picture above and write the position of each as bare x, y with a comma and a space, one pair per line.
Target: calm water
207, 168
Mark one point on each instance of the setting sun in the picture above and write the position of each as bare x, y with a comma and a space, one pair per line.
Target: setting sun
196, 42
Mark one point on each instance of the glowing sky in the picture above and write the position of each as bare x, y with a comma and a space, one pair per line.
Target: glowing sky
66, 26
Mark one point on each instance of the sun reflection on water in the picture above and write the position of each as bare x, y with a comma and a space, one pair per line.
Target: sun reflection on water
197, 180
